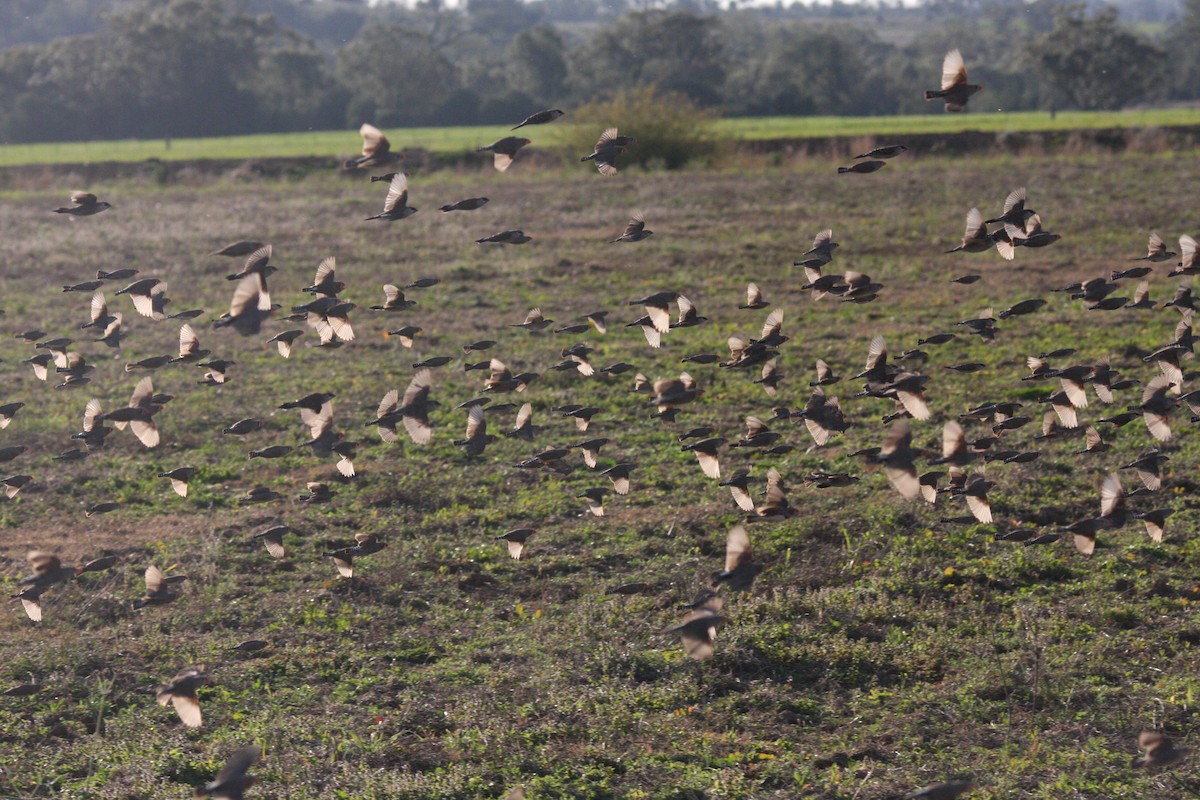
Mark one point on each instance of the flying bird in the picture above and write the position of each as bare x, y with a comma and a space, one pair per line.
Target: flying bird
955, 91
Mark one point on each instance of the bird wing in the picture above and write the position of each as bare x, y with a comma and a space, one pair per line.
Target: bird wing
397, 195
374, 142
954, 70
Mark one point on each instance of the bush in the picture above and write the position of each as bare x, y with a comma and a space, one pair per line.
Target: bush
671, 129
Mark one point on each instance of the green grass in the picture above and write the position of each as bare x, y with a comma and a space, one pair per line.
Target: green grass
452, 140
884, 648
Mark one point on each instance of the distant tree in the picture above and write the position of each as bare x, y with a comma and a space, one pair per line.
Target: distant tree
294, 86
185, 65
395, 76
1181, 42
1092, 62
501, 20
675, 51
536, 63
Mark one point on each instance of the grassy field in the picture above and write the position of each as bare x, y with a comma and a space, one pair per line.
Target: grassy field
887, 645
450, 140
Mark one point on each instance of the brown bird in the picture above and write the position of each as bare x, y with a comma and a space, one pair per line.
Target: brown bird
181, 693
896, 455
412, 411
941, 791
607, 148
376, 150
516, 541
272, 539
504, 150
365, 544
477, 438
407, 335
158, 588
754, 298
48, 570
955, 91
285, 341
669, 393
393, 299
395, 205
595, 500
232, 781
147, 296
706, 455
1156, 250
179, 479
740, 569
1160, 751
237, 249
505, 237
249, 306
1187, 262
635, 231
699, 628
86, 204
976, 238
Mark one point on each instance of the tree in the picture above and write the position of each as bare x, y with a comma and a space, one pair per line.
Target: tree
1091, 62
677, 52
536, 64
394, 76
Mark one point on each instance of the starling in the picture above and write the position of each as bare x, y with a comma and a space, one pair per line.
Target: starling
86, 204
395, 205
376, 150
504, 151
540, 118
955, 91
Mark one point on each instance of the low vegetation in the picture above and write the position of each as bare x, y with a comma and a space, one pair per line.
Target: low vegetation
887, 645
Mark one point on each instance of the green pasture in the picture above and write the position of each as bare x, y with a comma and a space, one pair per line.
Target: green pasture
449, 140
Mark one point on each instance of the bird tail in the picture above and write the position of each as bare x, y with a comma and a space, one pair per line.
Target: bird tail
843, 169
588, 158
931, 94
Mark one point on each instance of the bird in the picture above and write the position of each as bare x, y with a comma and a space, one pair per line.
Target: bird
1159, 751
1156, 250
505, 237
740, 569
607, 148
540, 118
393, 299
146, 295
180, 692
158, 588
534, 321
179, 479
272, 539
237, 249
941, 791
754, 298
863, 167
364, 544
86, 204
955, 91
395, 205
976, 238
376, 150
635, 231
476, 438
470, 204
698, 629
232, 781
412, 411
516, 541
504, 151
886, 151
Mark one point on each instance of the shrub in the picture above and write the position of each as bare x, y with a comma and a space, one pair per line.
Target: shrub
671, 129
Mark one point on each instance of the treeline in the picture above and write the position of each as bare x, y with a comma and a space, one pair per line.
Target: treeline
159, 68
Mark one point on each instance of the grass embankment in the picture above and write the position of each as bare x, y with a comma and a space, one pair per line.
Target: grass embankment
884, 647
452, 140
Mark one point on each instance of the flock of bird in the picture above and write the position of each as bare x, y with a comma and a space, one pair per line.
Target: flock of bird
897, 383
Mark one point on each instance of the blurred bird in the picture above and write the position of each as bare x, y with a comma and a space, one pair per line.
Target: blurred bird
232, 781
504, 150
181, 693
607, 148
505, 237
376, 150
86, 204
1156, 250
516, 541
955, 91
365, 544
158, 588
237, 249
1160, 751
635, 231
179, 479
863, 167
699, 628
540, 118
740, 569
470, 204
